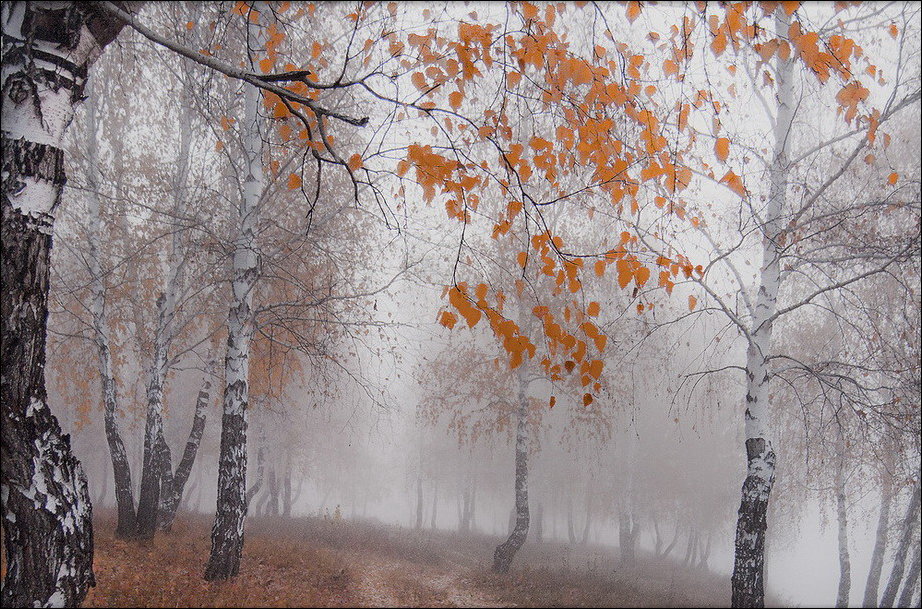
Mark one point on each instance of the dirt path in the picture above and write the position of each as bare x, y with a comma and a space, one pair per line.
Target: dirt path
386, 582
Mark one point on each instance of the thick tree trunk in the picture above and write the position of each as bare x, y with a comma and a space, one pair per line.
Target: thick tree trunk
747, 581
47, 525
172, 492
506, 551
845, 569
907, 530
872, 586
227, 533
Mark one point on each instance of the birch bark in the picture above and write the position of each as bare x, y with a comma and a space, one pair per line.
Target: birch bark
121, 468
48, 48
748, 570
227, 533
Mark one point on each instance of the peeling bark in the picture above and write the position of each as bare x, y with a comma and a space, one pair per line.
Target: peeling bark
47, 518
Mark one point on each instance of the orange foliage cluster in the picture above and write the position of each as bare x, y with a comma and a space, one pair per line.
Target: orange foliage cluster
593, 101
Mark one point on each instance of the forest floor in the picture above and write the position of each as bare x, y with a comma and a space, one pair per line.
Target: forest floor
340, 563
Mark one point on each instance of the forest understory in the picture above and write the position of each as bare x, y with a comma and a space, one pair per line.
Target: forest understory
325, 562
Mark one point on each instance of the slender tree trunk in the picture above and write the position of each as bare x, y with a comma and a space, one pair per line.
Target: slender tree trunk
747, 581
124, 491
628, 529
845, 570
172, 492
872, 586
435, 505
588, 523
47, 51
227, 533
571, 529
258, 483
910, 522
286, 490
153, 463
272, 506
705, 553
539, 523
419, 502
912, 579
506, 551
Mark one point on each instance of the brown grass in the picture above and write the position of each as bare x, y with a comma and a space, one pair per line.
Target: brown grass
315, 562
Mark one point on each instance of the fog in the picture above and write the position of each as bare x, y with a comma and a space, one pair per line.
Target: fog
602, 305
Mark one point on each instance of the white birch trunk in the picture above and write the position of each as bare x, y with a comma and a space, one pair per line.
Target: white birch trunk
748, 570
121, 468
845, 571
872, 586
227, 533
47, 50
506, 551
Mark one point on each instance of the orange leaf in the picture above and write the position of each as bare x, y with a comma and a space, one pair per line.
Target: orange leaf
448, 319
593, 309
692, 301
722, 148
633, 11
419, 81
455, 99
190, 25
266, 65
891, 180
294, 181
587, 399
355, 162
